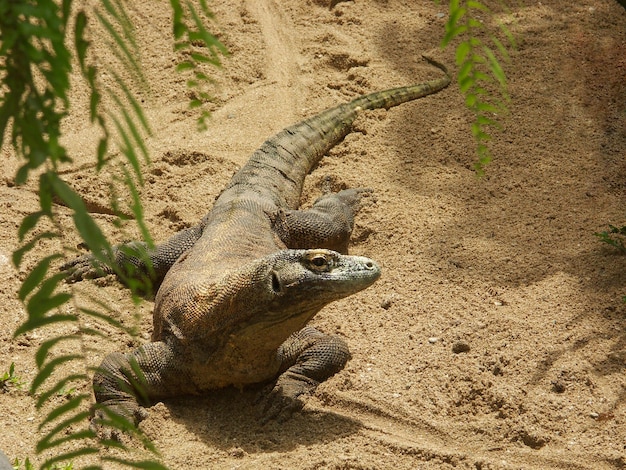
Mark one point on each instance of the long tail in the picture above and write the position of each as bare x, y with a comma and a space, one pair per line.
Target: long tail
283, 161
395, 96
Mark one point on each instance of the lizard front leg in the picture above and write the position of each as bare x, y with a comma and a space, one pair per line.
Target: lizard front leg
135, 260
125, 383
328, 224
309, 357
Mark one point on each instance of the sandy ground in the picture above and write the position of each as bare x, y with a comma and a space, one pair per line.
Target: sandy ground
506, 265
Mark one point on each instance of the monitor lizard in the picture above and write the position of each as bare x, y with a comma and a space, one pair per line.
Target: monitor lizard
236, 291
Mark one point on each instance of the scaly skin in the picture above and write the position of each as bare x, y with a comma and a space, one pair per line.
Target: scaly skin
236, 292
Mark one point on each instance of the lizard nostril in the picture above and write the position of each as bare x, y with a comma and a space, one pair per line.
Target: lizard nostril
369, 265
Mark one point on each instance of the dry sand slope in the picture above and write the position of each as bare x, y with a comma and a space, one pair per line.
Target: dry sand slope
496, 337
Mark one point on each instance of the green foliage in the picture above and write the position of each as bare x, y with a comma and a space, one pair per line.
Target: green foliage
37, 55
29, 466
17, 465
614, 237
199, 47
479, 68
9, 379
33, 35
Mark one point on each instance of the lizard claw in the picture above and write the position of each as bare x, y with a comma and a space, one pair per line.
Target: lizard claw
84, 267
114, 421
357, 198
284, 398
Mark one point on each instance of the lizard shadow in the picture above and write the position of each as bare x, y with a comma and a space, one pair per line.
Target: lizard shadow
228, 420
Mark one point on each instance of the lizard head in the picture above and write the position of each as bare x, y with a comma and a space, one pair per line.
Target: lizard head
305, 280
272, 297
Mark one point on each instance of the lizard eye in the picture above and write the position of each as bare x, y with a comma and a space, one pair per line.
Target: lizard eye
319, 262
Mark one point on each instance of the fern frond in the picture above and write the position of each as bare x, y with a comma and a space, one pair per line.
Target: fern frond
143, 464
69, 456
70, 405
479, 67
35, 71
33, 46
47, 370
60, 385
200, 47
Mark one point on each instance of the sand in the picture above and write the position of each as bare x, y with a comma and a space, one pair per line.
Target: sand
496, 336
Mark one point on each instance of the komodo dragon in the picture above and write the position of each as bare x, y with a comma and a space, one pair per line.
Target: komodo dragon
236, 291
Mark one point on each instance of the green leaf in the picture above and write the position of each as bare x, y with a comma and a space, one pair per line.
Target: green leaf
122, 51
60, 410
480, 76
478, 133
91, 234
102, 150
203, 58
483, 120
68, 456
135, 106
81, 44
44, 348
28, 223
35, 305
104, 317
45, 192
34, 323
49, 368
139, 215
485, 107
118, 12
177, 23
60, 385
182, 66
69, 197
466, 72
143, 464
137, 140
456, 13
473, 23
496, 69
474, 5
462, 51
18, 254
508, 35
501, 49
127, 147
36, 276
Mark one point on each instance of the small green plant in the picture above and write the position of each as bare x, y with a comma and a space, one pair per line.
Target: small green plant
65, 466
67, 392
614, 236
29, 466
9, 379
17, 465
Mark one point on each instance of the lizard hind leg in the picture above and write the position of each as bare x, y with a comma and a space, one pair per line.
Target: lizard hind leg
328, 224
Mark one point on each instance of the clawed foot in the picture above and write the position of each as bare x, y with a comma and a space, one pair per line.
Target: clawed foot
112, 422
283, 400
357, 198
84, 267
